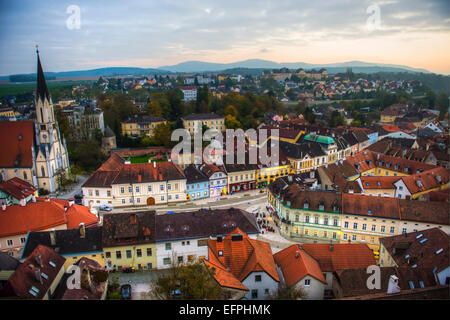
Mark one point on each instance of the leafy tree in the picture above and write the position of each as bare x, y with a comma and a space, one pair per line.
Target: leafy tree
162, 135
193, 281
288, 293
154, 109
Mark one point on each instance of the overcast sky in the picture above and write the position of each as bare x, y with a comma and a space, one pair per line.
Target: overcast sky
165, 32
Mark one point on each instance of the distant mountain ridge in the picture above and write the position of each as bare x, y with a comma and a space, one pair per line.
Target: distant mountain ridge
257, 65
200, 66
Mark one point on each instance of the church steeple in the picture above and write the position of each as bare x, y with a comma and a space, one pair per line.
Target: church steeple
41, 90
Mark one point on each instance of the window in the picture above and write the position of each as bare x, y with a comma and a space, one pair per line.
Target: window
354, 237
118, 254
335, 222
97, 193
316, 220
220, 253
346, 224
137, 189
307, 282
374, 228
411, 284
9, 242
22, 240
128, 253
364, 226
108, 193
258, 278
139, 253
355, 225
325, 221
334, 235
168, 246
122, 190
149, 252
254, 293
149, 188
421, 284
108, 254
383, 228
307, 219
161, 187
345, 236
166, 261
130, 189
123, 201
392, 229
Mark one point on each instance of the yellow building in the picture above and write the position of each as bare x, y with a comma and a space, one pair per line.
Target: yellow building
141, 126
6, 112
366, 219
129, 240
194, 122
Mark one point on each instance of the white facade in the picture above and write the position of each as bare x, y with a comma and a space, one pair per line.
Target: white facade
260, 285
95, 197
185, 249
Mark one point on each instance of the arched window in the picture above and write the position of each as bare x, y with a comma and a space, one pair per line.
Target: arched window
25, 176
43, 171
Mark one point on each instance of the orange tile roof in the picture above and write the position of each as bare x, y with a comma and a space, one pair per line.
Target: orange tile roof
36, 216
77, 214
43, 215
243, 257
295, 264
343, 255
428, 180
378, 182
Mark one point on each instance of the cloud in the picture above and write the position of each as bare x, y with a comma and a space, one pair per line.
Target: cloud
172, 31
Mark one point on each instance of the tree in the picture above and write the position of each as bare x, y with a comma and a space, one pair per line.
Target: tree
154, 109
162, 135
336, 119
192, 281
288, 293
231, 122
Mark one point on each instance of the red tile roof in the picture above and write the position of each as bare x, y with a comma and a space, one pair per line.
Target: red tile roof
426, 249
17, 138
370, 206
342, 256
37, 216
18, 188
430, 179
295, 264
24, 279
378, 182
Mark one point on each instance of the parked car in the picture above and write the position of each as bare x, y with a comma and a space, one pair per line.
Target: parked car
104, 207
125, 291
78, 199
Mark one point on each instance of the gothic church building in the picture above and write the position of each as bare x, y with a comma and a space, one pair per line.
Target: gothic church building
34, 150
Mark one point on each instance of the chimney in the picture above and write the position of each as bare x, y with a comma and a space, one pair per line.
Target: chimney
23, 202
47, 199
82, 230
331, 246
139, 178
154, 165
393, 286
39, 260
71, 202
52, 237
33, 198
38, 276
297, 254
3, 206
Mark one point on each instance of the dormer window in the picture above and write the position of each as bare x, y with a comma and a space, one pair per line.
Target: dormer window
306, 204
321, 205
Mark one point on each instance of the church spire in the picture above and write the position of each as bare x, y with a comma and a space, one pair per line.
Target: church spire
41, 90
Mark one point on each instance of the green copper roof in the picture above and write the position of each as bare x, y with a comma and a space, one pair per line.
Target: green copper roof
319, 139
